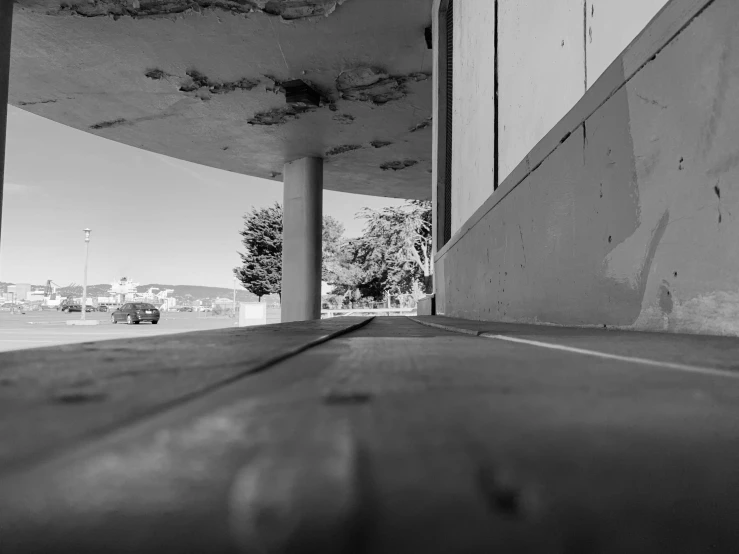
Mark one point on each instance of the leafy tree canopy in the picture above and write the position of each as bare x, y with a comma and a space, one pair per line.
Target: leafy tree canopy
261, 269
393, 254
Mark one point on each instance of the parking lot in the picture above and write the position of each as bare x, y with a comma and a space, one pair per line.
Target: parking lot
49, 328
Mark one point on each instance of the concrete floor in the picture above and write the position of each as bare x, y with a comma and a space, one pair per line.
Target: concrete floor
49, 328
397, 436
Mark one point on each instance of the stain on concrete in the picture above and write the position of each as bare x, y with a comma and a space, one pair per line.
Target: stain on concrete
280, 116
657, 234
109, 124
626, 296
665, 298
372, 84
647, 164
344, 118
651, 101
343, 149
380, 143
79, 396
36, 102
156, 74
170, 111
717, 191
423, 125
196, 81
723, 84
717, 312
343, 398
288, 10
398, 165
276, 175
504, 496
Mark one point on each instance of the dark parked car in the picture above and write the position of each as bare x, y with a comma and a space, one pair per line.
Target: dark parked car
185, 309
77, 308
102, 308
135, 312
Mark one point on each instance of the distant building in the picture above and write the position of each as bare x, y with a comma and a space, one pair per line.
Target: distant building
18, 292
123, 290
223, 302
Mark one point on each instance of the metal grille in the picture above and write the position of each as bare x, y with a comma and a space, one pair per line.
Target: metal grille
449, 117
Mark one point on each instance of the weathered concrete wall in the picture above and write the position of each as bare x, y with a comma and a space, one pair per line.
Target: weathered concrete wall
474, 107
611, 26
631, 220
541, 72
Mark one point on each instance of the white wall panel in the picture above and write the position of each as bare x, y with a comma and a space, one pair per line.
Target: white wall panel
612, 25
541, 71
474, 107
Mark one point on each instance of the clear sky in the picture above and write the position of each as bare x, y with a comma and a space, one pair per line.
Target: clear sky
153, 218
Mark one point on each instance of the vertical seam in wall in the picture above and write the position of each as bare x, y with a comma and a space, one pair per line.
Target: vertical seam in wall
667, 42
585, 40
496, 141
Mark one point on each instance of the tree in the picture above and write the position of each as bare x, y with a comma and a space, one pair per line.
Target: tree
261, 269
333, 244
393, 255
396, 247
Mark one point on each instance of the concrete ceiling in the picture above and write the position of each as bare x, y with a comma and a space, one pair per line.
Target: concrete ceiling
200, 80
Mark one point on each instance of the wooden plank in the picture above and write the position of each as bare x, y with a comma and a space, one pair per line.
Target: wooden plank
383, 439
51, 397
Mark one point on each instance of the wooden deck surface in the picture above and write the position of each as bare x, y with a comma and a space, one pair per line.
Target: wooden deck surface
394, 437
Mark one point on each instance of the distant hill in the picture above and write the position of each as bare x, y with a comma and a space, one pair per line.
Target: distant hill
207, 293
183, 293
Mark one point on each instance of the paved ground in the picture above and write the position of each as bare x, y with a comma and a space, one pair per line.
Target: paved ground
48, 328
430, 435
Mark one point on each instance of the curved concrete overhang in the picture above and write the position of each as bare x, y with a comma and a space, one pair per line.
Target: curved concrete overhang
200, 80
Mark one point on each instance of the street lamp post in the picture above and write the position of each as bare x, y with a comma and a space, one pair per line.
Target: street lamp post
84, 282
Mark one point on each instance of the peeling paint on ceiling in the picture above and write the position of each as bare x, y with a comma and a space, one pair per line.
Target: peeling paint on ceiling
207, 87
286, 9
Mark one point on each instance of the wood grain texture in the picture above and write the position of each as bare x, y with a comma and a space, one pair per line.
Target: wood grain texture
443, 443
51, 397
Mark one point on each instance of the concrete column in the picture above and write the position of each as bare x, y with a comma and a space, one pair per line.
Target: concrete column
302, 240
6, 25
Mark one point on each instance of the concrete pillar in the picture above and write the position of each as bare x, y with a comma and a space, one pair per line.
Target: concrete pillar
6, 25
302, 240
